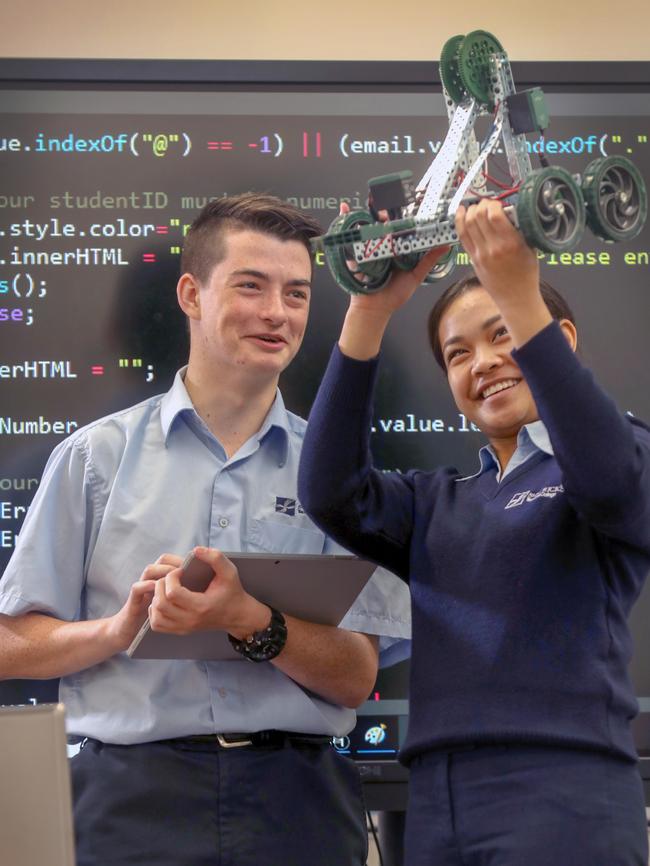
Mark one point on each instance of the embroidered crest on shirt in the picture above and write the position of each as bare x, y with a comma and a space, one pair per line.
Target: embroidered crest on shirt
529, 496
288, 506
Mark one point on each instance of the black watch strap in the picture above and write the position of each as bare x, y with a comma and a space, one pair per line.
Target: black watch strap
266, 644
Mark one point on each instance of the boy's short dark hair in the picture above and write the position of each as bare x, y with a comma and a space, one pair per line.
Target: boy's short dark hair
204, 245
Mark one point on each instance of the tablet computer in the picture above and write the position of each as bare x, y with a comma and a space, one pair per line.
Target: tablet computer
314, 587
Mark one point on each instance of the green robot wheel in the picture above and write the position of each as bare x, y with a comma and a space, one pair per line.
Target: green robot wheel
474, 64
443, 267
550, 210
616, 198
356, 278
450, 70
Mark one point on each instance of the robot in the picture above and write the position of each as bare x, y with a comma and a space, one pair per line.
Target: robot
550, 206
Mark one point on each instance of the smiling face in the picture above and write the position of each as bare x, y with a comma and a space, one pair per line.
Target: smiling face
250, 316
486, 383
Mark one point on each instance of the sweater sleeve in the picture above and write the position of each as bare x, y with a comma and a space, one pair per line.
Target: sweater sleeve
604, 456
367, 511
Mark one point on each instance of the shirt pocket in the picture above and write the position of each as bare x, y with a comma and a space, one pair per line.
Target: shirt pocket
271, 536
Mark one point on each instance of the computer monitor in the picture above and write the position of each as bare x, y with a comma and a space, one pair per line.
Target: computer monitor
35, 798
105, 163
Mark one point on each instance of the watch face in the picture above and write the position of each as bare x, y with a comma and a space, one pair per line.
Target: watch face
266, 648
264, 645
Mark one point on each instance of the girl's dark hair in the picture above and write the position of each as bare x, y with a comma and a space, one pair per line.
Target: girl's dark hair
557, 306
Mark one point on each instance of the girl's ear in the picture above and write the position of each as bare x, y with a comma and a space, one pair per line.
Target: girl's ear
570, 332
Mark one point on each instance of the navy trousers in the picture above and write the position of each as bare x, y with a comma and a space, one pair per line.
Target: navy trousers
178, 803
525, 806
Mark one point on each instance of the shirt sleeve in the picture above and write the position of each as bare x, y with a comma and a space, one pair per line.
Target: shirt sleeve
604, 456
368, 511
46, 571
382, 608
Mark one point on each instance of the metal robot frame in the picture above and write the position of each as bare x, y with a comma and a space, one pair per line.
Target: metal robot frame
549, 205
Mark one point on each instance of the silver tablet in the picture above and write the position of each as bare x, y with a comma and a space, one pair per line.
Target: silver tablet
315, 588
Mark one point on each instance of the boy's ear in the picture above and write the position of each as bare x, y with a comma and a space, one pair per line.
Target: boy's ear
189, 296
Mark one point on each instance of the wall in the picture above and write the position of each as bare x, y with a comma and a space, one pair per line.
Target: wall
335, 30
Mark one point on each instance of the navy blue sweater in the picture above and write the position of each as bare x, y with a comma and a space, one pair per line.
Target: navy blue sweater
520, 589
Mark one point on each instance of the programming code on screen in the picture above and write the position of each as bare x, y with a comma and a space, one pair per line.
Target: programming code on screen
99, 189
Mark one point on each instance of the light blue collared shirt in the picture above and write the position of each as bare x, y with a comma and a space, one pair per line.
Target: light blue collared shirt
531, 438
152, 479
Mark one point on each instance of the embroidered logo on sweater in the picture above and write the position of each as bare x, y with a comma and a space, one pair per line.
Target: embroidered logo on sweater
529, 496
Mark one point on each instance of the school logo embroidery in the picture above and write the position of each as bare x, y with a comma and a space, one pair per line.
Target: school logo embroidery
284, 505
529, 496
288, 506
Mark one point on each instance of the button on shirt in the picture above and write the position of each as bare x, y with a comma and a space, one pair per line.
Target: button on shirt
152, 479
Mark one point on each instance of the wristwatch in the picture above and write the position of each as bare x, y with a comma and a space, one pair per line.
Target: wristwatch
266, 644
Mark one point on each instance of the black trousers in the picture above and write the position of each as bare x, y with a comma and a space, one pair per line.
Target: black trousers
182, 803
525, 806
